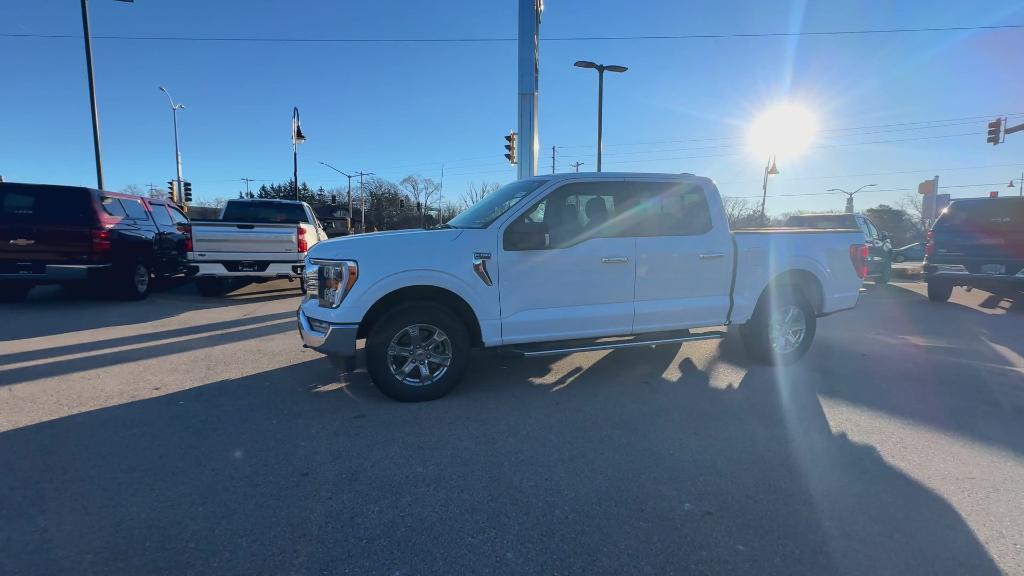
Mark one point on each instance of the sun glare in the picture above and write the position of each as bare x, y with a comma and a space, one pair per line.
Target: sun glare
785, 130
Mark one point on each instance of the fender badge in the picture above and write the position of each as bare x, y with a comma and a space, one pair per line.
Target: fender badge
481, 255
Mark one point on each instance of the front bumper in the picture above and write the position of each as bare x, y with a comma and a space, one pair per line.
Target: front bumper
59, 273
332, 339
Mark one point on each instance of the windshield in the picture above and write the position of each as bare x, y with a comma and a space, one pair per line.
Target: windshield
493, 205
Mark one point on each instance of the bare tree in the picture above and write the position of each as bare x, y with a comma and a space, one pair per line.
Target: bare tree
475, 193
911, 204
449, 210
134, 190
421, 190
215, 203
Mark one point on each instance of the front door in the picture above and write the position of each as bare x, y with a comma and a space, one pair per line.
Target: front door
567, 266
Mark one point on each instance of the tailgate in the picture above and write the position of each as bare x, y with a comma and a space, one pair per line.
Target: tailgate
240, 237
41, 227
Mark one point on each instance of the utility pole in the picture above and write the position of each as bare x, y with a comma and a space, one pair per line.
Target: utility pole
576, 165
246, 180
552, 159
297, 138
92, 94
362, 201
440, 197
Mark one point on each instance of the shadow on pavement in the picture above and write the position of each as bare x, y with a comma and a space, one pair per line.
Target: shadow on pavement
618, 471
948, 366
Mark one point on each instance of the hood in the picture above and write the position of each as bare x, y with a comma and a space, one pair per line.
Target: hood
376, 244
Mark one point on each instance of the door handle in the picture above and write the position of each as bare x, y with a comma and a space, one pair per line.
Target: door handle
712, 256
614, 260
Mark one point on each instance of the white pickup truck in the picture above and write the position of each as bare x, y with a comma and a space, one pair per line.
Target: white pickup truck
253, 241
560, 264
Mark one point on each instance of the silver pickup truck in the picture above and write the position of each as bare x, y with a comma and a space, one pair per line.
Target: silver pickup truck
253, 241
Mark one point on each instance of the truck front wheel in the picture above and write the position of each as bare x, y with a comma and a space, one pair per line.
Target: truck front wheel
417, 352
781, 329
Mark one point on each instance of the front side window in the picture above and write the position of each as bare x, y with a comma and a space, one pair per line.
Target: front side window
134, 209
161, 216
178, 216
569, 215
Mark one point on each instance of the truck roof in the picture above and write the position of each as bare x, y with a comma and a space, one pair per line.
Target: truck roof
617, 176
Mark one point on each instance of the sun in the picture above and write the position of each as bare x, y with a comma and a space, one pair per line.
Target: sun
785, 130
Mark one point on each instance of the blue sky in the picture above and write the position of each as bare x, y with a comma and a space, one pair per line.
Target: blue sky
401, 108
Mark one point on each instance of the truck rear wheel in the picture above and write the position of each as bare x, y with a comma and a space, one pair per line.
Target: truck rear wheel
417, 352
133, 281
211, 287
939, 291
781, 329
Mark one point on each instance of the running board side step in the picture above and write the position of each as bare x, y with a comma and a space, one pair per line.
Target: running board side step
554, 350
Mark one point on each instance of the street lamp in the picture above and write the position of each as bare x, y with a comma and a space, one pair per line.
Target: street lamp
349, 176
600, 95
177, 154
1019, 186
92, 92
769, 170
849, 195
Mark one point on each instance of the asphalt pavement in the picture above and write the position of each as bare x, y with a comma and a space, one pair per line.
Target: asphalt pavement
184, 435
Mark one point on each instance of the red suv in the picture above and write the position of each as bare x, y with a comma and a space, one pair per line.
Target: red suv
80, 236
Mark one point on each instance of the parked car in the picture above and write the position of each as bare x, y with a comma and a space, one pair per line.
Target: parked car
551, 265
878, 243
80, 236
912, 252
253, 241
976, 243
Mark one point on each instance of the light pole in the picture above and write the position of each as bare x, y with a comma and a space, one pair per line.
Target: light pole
769, 170
1019, 186
362, 201
246, 180
349, 195
600, 95
849, 195
177, 154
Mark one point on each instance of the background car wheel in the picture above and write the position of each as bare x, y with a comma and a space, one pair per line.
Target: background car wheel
14, 291
134, 282
417, 352
781, 329
211, 287
939, 291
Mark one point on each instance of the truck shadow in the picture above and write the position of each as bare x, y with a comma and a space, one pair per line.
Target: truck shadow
622, 470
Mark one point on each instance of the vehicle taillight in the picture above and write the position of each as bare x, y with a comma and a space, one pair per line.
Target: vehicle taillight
100, 241
859, 259
303, 245
186, 229
929, 248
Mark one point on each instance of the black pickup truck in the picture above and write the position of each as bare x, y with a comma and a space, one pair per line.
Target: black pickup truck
84, 238
976, 243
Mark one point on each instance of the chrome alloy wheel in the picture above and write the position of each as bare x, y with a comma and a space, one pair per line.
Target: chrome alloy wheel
419, 354
787, 329
141, 278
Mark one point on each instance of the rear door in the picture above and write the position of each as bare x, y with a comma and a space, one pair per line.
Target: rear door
684, 262
136, 234
42, 225
878, 254
984, 235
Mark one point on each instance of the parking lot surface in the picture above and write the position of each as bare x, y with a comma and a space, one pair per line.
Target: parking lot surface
183, 435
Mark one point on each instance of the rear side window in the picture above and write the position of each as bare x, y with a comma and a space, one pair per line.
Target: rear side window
987, 216
45, 206
667, 209
134, 209
265, 212
161, 216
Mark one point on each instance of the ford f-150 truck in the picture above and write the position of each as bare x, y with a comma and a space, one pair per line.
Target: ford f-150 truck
254, 240
561, 264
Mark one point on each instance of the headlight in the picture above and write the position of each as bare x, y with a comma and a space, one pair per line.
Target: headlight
330, 281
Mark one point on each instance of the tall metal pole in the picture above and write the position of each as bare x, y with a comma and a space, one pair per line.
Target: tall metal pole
295, 169
764, 187
92, 95
528, 67
362, 205
600, 113
177, 153
552, 159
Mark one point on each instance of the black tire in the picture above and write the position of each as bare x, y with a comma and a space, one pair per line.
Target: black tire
14, 291
757, 333
133, 281
396, 326
899, 258
211, 287
939, 291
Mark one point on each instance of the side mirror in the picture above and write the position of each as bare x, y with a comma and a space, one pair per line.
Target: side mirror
522, 235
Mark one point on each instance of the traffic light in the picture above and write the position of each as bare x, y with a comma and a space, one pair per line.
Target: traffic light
188, 191
419, 207
172, 190
510, 155
995, 131
334, 198
401, 203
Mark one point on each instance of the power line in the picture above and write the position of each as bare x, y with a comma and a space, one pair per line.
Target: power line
499, 39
